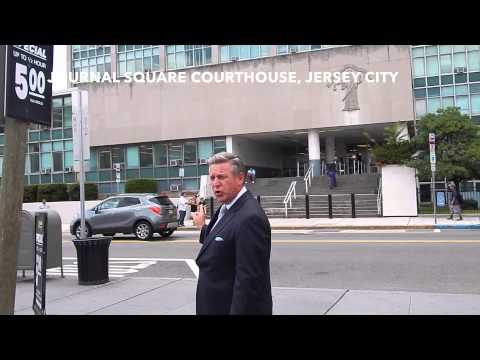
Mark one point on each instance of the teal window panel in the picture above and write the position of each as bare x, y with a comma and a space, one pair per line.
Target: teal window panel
57, 178
67, 133
105, 175
420, 93
203, 170
91, 176
57, 134
435, 91
45, 135
132, 174
67, 117
420, 82
191, 184
460, 78
191, 171
34, 179
57, 145
69, 177
2, 139
93, 160
161, 172
46, 147
433, 105
205, 149
34, 136
474, 88
146, 173
68, 158
461, 90
447, 79
475, 76
46, 179
433, 81
475, 104
447, 91
46, 161
173, 172
68, 145
133, 158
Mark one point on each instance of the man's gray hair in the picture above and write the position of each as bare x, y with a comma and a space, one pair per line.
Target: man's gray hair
237, 165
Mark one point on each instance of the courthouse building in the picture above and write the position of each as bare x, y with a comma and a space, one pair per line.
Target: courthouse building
167, 131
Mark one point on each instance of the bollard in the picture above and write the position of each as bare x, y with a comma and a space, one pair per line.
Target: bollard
307, 206
330, 210
353, 205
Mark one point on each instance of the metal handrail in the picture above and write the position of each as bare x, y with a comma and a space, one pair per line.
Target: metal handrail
288, 196
379, 197
308, 178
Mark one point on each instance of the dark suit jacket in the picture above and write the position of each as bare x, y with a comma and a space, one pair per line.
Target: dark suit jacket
234, 262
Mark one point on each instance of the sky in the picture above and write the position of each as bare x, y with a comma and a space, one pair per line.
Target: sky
59, 67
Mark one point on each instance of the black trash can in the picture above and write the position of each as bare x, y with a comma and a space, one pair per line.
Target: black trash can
92, 260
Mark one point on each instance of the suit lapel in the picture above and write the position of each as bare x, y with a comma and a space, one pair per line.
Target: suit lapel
223, 222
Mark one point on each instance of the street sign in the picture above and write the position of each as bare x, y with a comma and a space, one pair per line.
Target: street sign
433, 167
28, 86
80, 121
441, 199
432, 148
433, 158
431, 138
40, 264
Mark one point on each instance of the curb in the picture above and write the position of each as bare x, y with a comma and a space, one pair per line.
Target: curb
465, 226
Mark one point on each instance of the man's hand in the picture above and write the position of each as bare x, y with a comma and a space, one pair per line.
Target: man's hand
199, 217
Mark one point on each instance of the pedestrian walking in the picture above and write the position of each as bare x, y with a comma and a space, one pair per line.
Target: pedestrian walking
182, 209
455, 203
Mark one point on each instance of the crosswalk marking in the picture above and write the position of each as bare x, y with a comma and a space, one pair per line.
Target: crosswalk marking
119, 267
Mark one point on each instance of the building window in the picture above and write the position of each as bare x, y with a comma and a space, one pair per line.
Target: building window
160, 154
105, 160
420, 107
190, 153
146, 155
475, 104
285, 49
418, 67
174, 152
58, 161
433, 105
46, 161
138, 58
34, 163
205, 149
184, 56
243, 52
91, 59
219, 145
118, 156
473, 61
132, 157
446, 64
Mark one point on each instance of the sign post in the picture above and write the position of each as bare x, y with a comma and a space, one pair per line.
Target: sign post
26, 95
117, 175
81, 148
40, 264
433, 167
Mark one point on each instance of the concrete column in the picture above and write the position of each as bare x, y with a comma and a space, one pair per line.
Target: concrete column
314, 151
330, 149
229, 144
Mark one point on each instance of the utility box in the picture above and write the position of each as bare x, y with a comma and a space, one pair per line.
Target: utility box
26, 246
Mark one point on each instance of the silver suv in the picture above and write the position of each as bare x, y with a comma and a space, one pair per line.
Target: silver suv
139, 214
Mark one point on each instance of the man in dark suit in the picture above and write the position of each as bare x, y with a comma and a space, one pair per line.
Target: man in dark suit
234, 261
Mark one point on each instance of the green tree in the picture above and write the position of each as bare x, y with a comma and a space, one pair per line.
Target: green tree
395, 149
457, 150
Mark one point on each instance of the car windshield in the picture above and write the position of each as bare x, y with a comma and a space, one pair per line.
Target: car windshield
161, 200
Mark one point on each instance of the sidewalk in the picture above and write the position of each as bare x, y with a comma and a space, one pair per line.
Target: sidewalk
372, 223
176, 296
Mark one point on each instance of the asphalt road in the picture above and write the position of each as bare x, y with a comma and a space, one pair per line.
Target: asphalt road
419, 260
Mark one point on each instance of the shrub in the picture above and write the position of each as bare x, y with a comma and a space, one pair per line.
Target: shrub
141, 186
52, 192
91, 191
30, 193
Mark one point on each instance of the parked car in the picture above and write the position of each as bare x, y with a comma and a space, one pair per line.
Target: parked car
139, 214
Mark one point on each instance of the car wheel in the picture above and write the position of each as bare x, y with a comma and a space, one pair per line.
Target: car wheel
143, 230
166, 233
77, 231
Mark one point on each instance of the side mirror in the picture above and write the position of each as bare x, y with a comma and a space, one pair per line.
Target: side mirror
96, 210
